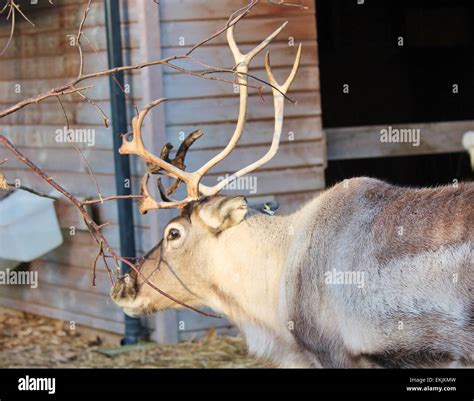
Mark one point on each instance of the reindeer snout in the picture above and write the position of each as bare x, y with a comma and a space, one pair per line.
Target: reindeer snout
124, 289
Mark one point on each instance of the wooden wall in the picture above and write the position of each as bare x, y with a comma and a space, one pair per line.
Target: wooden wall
40, 58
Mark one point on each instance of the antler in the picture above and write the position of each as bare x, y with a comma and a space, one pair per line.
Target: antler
279, 104
242, 62
136, 147
175, 168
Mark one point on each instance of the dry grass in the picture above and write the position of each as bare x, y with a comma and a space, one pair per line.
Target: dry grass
28, 340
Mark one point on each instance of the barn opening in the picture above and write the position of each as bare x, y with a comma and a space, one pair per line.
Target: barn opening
396, 64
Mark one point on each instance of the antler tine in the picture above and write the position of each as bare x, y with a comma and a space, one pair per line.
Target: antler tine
177, 161
242, 65
245, 59
149, 203
163, 190
271, 78
279, 102
184, 147
252, 53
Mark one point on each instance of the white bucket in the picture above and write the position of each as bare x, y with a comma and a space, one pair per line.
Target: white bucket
28, 227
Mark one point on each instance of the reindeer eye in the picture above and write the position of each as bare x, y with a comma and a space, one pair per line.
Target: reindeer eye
173, 234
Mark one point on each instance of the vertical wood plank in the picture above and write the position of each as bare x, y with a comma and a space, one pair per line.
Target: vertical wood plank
165, 323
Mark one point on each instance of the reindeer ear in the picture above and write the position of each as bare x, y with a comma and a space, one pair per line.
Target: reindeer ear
223, 212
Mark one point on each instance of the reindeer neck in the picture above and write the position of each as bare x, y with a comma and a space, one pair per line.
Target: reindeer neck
248, 268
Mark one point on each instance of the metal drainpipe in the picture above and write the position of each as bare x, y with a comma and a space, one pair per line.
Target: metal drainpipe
133, 327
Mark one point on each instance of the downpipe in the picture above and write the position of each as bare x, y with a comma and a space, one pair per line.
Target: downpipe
134, 330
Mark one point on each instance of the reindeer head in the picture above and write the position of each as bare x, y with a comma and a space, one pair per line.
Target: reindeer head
182, 265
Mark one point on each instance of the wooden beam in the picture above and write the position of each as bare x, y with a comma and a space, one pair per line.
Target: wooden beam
55, 313
179, 10
164, 323
365, 142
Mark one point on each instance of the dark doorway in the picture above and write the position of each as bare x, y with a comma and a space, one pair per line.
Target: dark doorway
404, 61
426, 170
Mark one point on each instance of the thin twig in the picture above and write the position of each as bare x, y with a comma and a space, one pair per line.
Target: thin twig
78, 38
105, 118
94, 268
244, 11
28, 189
285, 4
104, 61
216, 70
13, 8
84, 158
111, 198
66, 90
12, 29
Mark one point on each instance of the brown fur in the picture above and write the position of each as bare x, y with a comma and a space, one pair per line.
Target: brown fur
430, 218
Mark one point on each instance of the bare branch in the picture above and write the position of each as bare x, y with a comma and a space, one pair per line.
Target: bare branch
12, 29
284, 3
241, 13
38, 98
111, 198
28, 189
99, 109
79, 36
84, 158
12, 9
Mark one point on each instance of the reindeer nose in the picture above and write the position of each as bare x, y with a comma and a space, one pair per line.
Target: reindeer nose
124, 288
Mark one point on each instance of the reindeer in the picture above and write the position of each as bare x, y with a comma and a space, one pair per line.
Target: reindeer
366, 274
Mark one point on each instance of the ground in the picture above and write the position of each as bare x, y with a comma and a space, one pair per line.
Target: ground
28, 340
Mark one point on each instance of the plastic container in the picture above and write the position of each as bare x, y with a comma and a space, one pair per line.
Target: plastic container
28, 227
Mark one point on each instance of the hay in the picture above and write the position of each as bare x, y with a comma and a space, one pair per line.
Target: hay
28, 340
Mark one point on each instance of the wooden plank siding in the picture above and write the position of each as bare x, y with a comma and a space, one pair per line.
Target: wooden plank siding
38, 59
291, 178
297, 171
